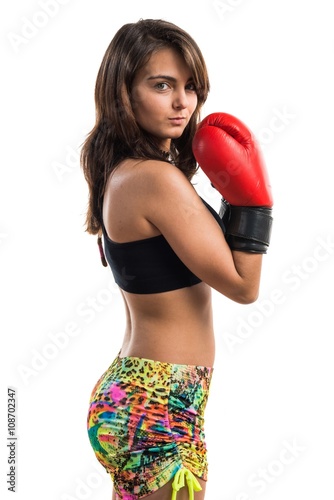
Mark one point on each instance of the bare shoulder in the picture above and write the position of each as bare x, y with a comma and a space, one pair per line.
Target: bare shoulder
134, 193
140, 172
163, 181
160, 173
147, 182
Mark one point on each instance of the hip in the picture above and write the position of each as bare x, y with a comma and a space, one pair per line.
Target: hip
140, 391
146, 421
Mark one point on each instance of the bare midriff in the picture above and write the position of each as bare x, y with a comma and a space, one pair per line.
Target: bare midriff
173, 327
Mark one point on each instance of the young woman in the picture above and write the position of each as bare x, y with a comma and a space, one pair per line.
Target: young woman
166, 248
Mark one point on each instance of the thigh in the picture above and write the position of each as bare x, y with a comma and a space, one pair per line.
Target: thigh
165, 492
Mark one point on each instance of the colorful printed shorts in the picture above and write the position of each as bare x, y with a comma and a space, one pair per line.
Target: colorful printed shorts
146, 425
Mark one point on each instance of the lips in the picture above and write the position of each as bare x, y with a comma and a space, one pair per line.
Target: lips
177, 119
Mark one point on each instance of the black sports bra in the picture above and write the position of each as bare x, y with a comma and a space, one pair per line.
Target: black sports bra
149, 265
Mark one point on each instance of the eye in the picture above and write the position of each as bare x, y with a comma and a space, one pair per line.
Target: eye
191, 86
161, 86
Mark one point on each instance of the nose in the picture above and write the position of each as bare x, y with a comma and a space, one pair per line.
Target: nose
180, 100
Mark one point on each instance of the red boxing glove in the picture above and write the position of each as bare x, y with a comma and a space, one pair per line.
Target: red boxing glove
228, 154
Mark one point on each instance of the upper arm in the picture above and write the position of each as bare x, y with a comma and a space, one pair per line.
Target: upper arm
174, 207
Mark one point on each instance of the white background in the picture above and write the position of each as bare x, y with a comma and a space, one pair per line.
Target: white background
270, 64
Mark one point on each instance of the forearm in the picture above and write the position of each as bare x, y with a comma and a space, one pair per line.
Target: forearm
248, 267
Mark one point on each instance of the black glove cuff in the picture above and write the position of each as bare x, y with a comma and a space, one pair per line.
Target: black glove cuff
249, 229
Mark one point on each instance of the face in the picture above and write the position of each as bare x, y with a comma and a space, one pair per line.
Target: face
164, 96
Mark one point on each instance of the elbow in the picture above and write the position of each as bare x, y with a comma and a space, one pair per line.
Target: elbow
248, 299
241, 291
246, 296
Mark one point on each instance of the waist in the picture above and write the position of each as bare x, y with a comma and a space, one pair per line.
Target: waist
174, 327
189, 342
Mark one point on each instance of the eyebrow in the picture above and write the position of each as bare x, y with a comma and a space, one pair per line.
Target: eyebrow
166, 77
163, 77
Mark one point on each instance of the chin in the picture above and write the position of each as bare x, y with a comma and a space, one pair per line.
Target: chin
177, 134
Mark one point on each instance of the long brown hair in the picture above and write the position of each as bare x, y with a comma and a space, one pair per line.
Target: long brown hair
116, 134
